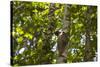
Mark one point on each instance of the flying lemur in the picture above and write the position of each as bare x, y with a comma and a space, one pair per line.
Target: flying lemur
62, 41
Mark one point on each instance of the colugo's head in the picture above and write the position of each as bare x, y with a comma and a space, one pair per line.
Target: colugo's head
59, 32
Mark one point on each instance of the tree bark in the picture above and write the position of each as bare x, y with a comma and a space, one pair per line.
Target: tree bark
65, 28
88, 55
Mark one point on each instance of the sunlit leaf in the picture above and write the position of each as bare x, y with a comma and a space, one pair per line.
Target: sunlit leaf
28, 35
84, 8
20, 39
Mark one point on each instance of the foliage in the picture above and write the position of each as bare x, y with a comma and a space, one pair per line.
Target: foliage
33, 38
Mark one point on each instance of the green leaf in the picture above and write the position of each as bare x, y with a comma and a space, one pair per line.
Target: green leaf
20, 39
28, 35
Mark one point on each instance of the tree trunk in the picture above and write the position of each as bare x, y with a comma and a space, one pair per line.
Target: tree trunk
65, 28
88, 55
